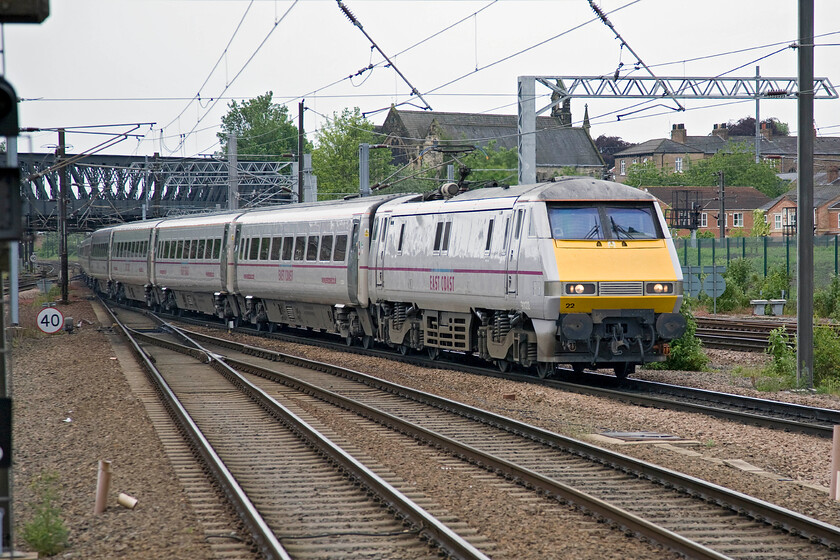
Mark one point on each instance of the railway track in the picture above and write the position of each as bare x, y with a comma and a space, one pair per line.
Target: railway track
747, 335
683, 513
747, 410
265, 459
739, 408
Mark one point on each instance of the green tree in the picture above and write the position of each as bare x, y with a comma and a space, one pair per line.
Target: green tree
737, 162
761, 228
335, 160
739, 170
746, 127
264, 130
492, 163
647, 174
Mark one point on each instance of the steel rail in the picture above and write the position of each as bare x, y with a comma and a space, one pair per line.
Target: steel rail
433, 529
595, 384
759, 510
598, 507
264, 537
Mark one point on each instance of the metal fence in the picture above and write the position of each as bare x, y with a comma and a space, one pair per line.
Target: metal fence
766, 253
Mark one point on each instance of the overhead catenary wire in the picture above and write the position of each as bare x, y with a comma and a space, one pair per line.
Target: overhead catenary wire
197, 96
239, 73
358, 24
441, 93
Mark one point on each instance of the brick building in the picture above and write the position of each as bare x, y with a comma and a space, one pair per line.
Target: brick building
739, 205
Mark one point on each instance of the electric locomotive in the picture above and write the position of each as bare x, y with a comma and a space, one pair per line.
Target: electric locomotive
577, 271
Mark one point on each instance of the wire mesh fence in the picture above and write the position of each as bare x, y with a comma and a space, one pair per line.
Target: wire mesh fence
765, 253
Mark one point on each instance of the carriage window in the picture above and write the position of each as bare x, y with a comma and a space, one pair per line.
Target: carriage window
193, 249
375, 230
340, 248
276, 244
179, 249
519, 215
265, 246
217, 249
446, 231
489, 235
632, 223
201, 248
507, 230
575, 223
400, 242
312, 248
243, 243
300, 248
287, 248
254, 250
326, 248
438, 236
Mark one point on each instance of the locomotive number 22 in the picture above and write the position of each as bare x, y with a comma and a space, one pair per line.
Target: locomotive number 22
570, 306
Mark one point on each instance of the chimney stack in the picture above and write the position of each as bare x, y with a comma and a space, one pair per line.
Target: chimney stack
721, 131
766, 131
678, 133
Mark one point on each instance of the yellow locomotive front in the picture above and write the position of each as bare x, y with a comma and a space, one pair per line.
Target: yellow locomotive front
620, 283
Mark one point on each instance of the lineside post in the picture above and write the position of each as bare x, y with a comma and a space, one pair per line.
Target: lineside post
834, 491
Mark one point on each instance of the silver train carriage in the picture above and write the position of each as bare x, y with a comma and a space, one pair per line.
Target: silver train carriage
576, 271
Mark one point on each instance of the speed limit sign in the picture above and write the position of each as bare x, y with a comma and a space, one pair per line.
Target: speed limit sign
50, 320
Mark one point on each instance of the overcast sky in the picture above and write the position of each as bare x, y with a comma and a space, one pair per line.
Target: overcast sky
177, 63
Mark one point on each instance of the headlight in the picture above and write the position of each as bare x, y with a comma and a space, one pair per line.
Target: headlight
659, 288
578, 289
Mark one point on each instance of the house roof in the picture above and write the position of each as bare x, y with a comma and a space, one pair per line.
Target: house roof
557, 146
773, 146
823, 194
657, 146
735, 198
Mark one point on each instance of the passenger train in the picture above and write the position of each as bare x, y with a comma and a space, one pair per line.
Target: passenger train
574, 271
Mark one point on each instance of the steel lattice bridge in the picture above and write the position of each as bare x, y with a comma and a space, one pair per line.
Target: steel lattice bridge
106, 189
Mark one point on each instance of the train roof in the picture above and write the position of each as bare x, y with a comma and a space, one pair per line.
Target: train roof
319, 210
560, 189
216, 218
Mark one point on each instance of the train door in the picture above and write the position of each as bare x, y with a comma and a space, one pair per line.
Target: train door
380, 250
353, 263
234, 238
223, 258
513, 251
150, 254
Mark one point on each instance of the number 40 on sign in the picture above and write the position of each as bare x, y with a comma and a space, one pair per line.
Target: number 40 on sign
50, 320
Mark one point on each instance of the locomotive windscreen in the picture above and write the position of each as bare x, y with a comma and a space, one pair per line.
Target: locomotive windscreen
604, 221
